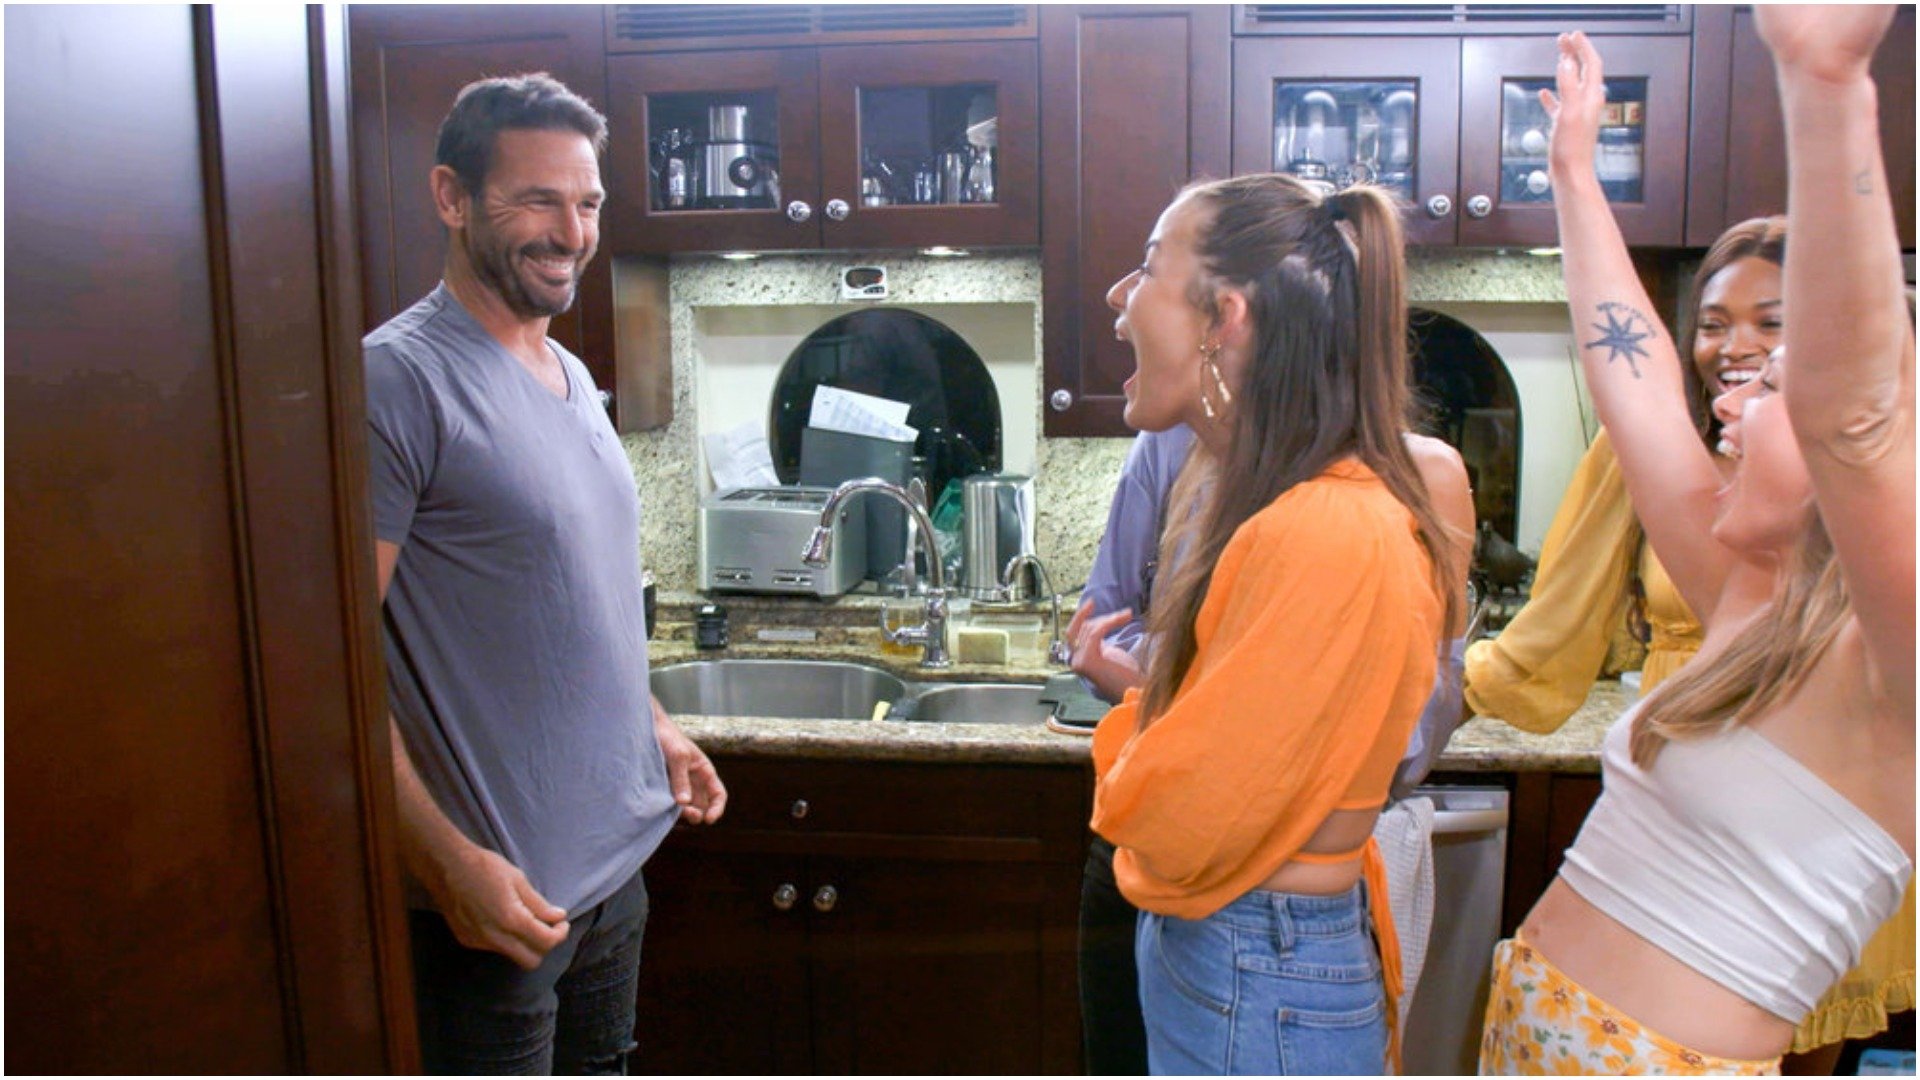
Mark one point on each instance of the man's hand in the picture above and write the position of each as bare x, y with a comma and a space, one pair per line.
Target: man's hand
1828, 42
1575, 110
1111, 669
489, 904
696, 784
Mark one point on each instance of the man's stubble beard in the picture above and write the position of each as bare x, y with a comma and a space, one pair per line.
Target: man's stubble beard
493, 265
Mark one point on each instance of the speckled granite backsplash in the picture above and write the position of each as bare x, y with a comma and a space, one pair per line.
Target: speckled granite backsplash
1073, 478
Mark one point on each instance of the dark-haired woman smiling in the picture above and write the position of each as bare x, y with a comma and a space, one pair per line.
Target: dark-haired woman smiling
1295, 643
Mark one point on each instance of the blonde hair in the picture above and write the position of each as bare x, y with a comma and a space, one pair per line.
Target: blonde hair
1763, 665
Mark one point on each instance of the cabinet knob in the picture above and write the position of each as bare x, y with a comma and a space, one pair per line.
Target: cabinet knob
1439, 206
825, 898
799, 809
784, 897
837, 209
1479, 206
1060, 400
606, 399
798, 211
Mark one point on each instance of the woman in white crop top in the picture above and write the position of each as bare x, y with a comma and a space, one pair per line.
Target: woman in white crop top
1757, 817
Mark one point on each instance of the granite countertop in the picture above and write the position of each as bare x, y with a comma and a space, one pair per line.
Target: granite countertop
1481, 745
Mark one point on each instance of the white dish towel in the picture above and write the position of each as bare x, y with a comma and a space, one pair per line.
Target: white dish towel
1405, 833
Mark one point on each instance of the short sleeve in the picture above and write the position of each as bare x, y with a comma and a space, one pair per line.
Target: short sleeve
403, 433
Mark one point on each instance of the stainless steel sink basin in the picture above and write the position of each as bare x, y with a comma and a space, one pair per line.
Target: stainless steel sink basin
781, 689
981, 703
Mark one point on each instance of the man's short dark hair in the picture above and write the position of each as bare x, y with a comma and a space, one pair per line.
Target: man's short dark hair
483, 109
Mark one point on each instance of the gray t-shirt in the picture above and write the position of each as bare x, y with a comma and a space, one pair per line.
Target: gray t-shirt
515, 634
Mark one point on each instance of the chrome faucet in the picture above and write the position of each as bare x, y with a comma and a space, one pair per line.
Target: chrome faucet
930, 635
1057, 650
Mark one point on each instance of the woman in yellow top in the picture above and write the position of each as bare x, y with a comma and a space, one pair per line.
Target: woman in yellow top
1295, 641
1541, 666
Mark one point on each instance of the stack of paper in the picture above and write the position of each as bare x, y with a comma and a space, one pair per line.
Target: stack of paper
835, 409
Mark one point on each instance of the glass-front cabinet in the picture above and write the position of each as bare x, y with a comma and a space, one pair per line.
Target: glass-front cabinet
838, 147
1456, 129
1338, 111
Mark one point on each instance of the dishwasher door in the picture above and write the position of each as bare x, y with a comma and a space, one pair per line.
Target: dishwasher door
1469, 869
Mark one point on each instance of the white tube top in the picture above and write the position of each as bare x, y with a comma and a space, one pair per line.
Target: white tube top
1739, 862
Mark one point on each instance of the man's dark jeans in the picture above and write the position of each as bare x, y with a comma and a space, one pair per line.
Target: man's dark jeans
1115, 1035
573, 1015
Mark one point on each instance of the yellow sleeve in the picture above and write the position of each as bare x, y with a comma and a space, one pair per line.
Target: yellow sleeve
1539, 669
1309, 641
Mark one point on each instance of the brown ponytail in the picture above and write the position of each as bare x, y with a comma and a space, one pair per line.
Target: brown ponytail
1328, 379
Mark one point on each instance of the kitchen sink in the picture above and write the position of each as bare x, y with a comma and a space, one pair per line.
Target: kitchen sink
781, 689
978, 703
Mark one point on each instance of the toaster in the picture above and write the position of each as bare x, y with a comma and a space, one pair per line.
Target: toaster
751, 538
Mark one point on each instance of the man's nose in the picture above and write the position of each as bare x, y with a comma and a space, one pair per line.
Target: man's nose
572, 232
1117, 295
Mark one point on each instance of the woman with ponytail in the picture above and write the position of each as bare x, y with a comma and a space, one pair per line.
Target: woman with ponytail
1294, 642
1756, 822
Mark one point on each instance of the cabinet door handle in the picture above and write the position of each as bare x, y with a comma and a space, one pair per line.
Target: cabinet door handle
837, 209
785, 896
799, 809
1479, 206
1439, 206
798, 211
1061, 400
825, 898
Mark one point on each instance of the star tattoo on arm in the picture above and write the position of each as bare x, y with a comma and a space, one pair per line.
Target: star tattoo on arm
1622, 334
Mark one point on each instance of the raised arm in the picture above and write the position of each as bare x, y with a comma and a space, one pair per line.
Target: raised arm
1849, 342
1630, 363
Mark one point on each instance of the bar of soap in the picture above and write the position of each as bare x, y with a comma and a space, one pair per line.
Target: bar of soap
975, 645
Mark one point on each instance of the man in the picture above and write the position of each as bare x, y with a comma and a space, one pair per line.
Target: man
534, 771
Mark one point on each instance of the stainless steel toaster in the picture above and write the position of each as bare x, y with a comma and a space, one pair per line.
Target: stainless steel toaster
751, 538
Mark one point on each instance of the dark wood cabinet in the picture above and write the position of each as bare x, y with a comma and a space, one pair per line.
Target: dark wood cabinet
806, 130
1451, 123
408, 62
1544, 818
198, 799
869, 917
1739, 167
1134, 104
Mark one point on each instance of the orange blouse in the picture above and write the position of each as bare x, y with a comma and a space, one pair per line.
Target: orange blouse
1316, 649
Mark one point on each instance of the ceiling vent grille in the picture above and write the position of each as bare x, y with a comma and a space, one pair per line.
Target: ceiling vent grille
1451, 18
646, 27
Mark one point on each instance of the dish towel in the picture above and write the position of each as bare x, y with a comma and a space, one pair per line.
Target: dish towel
1404, 832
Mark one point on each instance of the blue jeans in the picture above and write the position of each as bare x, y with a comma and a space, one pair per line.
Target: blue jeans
573, 1015
1273, 983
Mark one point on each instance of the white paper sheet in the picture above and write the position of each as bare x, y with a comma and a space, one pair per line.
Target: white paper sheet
835, 409
739, 457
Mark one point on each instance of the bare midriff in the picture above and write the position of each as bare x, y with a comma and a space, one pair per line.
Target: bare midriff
1642, 980
1332, 856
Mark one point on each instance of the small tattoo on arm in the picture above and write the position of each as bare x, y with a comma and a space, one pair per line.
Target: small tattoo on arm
1863, 182
1621, 334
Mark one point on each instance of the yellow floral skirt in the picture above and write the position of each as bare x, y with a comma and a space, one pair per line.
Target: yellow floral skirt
1857, 1006
1541, 1023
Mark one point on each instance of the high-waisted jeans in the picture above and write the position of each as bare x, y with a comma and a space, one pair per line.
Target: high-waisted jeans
1273, 983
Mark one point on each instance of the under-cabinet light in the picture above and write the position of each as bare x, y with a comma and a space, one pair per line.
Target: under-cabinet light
941, 251
739, 256
1548, 252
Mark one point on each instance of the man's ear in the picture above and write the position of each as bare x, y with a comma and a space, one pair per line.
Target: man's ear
450, 198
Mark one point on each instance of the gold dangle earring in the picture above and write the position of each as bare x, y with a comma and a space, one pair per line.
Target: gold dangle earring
1208, 351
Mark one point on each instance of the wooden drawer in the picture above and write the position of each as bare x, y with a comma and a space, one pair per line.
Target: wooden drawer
1023, 813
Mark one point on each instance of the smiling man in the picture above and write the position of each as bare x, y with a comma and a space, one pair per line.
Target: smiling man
533, 769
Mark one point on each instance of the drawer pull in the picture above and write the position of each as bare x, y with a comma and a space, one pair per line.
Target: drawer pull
784, 897
799, 809
826, 898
